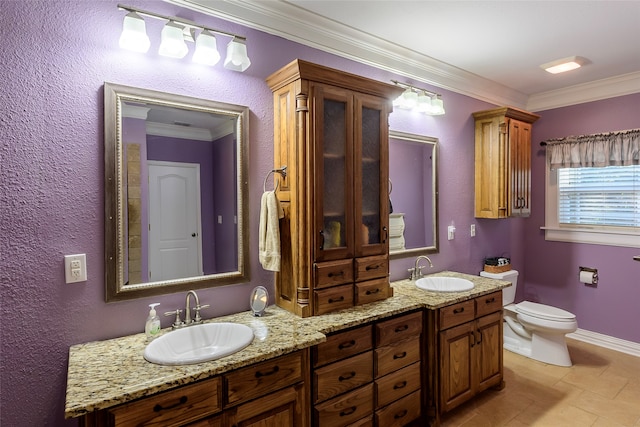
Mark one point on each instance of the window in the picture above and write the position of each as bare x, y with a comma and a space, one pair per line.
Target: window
599, 205
593, 189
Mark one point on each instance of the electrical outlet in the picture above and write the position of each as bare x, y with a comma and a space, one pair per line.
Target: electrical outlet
451, 231
473, 230
75, 268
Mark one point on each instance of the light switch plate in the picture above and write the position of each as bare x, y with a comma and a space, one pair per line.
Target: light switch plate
75, 268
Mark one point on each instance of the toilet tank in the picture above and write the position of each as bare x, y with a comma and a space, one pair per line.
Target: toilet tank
508, 294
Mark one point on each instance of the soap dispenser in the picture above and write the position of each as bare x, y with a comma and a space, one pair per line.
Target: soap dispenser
152, 327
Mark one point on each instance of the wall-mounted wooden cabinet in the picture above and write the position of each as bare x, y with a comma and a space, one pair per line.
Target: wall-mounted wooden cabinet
503, 162
331, 131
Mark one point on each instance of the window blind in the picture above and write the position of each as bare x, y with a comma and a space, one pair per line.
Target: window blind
606, 196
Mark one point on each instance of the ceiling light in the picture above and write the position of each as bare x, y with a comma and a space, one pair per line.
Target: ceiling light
565, 64
206, 50
134, 34
237, 59
173, 44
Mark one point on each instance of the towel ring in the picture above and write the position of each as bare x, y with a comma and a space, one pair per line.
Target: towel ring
282, 171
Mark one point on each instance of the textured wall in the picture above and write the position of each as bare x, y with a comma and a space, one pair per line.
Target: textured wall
551, 270
55, 59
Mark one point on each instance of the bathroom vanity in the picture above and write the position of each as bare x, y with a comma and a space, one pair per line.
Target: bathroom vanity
383, 363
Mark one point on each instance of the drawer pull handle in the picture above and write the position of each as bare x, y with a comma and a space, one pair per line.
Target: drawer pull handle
260, 374
401, 328
347, 376
400, 355
347, 344
401, 384
332, 300
400, 414
458, 310
372, 267
159, 407
490, 300
338, 274
348, 411
375, 291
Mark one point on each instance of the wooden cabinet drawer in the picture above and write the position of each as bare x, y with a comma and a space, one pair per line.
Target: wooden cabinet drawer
346, 408
333, 299
342, 376
343, 345
488, 303
365, 422
333, 273
372, 290
400, 412
393, 357
175, 407
397, 384
398, 329
456, 314
262, 378
372, 267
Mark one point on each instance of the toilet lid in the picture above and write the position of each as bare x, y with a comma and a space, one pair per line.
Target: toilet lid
543, 311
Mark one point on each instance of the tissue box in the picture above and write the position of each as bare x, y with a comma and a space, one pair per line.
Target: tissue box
497, 268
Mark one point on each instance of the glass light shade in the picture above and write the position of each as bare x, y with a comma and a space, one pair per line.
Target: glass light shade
134, 34
409, 99
437, 106
237, 59
424, 103
172, 41
206, 49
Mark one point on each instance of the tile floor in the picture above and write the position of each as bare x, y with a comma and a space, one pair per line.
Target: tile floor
601, 389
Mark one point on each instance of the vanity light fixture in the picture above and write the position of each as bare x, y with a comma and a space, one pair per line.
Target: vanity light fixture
564, 64
418, 99
175, 33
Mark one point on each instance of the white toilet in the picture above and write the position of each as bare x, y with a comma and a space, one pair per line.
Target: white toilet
531, 329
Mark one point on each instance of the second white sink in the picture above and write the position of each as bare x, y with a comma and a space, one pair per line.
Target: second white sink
444, 284
198, 343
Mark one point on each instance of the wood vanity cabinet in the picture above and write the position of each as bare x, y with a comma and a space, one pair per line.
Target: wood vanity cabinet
331, 132
266, 394
470, 349
503, 162
369, 375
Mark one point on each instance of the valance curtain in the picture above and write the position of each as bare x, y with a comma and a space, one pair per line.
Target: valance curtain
597, 150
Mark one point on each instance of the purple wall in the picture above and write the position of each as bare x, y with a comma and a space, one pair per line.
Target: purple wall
551, 268
52, 189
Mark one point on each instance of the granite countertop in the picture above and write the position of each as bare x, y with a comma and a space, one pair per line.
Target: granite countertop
103, 374
435, 300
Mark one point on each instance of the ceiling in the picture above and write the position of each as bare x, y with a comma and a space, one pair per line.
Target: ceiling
491, 50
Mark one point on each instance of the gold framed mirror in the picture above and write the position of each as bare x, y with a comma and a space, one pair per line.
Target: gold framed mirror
413, 175
176, 188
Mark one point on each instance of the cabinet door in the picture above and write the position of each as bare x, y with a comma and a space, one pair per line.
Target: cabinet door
284, 408
332, 118
371, 176
488, 351
520, 167
456, 365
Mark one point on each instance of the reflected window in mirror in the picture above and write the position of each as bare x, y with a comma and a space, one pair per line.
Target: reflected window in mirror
176, 209
413, 224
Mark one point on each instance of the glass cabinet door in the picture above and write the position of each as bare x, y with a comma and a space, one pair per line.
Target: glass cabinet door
333, 190
371, 176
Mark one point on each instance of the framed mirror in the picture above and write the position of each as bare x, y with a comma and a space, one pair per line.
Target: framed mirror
413, 222
176, 215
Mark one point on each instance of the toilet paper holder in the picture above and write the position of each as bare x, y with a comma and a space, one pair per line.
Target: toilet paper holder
594, 276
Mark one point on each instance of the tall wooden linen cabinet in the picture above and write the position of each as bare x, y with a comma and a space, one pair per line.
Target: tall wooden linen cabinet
503, 162
331, 132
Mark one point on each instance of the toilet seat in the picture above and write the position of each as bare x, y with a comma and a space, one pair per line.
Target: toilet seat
544, 312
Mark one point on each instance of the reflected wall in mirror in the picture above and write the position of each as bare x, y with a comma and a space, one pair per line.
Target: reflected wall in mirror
175, 193
413, 224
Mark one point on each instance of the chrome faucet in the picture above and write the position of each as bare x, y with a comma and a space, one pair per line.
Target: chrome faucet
178, 323
416, 271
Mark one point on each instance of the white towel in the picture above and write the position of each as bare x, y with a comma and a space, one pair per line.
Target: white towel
269, 245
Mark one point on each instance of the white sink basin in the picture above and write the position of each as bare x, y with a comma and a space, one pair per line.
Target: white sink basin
198, 343
444, 284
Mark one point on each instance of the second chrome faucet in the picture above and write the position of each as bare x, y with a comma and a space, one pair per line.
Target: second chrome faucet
416, 271
188, 321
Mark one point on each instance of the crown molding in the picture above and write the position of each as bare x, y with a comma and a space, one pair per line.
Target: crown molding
177, 131
625, 84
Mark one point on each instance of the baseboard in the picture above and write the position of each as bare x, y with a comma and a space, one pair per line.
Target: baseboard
629, 347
